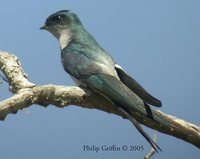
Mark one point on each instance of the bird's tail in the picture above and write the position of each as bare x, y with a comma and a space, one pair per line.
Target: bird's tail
139, 128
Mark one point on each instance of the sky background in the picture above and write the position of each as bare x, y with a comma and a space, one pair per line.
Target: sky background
157, 43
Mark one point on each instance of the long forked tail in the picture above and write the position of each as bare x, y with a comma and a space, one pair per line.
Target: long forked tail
139, 128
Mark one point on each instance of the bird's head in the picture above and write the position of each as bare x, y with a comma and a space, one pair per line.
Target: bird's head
61, 22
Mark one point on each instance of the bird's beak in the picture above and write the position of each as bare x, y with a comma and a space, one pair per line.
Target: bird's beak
44, 27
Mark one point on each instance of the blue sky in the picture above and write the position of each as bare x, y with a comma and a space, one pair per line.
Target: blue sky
157, 42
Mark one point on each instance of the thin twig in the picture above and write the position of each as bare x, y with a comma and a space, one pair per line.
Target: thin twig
152, 151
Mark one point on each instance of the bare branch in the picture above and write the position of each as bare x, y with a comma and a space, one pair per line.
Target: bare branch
12, 69
28, 93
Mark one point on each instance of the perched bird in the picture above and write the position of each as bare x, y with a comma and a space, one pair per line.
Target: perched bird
92, 67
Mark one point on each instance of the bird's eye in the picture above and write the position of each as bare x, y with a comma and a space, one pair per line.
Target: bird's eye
57, 18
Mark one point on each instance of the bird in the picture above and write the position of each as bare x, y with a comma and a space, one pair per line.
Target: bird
91, 66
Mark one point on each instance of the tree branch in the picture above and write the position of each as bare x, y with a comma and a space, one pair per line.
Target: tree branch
28, 93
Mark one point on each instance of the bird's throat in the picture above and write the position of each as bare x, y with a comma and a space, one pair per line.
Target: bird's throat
65, 38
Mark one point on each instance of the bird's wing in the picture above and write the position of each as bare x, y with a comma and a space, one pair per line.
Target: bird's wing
112, 88
136, 87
